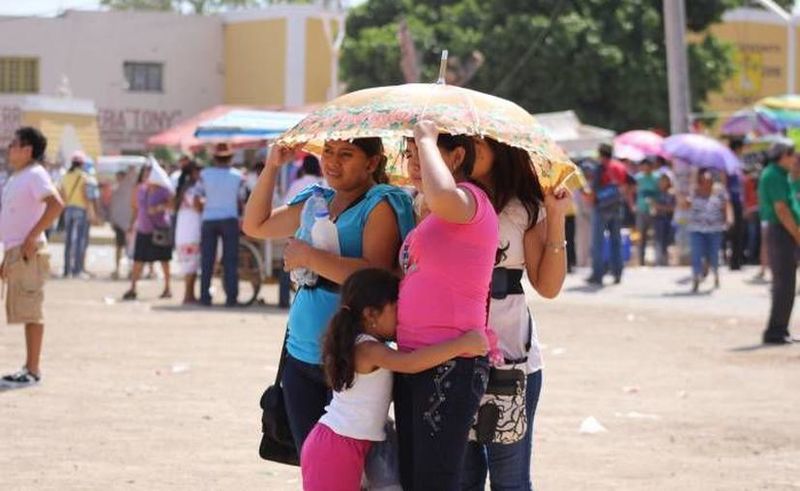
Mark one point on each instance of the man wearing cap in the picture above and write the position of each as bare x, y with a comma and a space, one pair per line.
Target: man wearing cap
30, 205
220, 193
779, 207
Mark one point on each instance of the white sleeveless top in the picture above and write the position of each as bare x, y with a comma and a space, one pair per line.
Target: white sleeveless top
508, 317
360, 412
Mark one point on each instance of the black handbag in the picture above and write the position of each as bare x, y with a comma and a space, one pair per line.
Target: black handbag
277, 443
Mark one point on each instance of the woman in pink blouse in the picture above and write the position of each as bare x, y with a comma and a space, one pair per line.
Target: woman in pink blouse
447, 261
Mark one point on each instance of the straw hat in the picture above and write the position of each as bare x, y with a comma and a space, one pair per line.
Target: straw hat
223, 149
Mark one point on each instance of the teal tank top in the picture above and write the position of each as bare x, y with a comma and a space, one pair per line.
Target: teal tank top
313, 308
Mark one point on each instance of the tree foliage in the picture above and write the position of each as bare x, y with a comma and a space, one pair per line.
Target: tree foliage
606, 60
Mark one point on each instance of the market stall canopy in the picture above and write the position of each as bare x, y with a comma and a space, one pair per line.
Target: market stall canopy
576, 138
182, 135
253, 124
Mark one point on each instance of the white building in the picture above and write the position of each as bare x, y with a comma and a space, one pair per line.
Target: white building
142, 72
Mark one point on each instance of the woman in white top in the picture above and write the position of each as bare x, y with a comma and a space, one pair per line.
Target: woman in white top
308, 175
532, 241
709, 215
358, 367
187, 229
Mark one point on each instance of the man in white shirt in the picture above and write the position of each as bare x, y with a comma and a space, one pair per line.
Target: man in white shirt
30, 205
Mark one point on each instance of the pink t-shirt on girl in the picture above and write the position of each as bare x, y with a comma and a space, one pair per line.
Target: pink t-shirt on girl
448, 269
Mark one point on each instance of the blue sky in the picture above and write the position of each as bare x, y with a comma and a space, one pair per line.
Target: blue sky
53, 7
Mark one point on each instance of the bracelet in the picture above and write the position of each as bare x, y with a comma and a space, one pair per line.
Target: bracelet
556, 247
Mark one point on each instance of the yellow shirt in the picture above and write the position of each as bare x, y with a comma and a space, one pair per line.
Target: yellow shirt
74, 185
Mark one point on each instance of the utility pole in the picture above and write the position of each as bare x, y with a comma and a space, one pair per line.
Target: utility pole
677, 66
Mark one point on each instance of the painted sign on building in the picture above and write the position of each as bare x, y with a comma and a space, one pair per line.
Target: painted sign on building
128, 129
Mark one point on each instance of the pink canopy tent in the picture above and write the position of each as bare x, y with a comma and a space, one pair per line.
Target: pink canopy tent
181, 136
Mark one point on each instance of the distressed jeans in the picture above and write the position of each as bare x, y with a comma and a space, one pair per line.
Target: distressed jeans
435, 410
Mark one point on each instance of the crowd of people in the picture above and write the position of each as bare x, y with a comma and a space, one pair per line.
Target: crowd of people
437, 269
678, 212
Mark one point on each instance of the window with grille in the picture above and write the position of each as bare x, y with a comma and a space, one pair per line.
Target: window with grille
19, 75
144, 77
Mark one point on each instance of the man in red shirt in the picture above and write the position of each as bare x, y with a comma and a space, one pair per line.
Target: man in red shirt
609, 193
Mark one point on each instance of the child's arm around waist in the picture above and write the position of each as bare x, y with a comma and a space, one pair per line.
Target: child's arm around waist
371, 355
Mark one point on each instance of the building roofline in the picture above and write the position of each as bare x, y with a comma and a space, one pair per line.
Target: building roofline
758, 16
50, 104
278, 12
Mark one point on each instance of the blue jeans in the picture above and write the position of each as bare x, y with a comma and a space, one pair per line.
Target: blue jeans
662, 226
705, 245
306, 394
211, 231
601, 223
434, 411
76, 233
509, 466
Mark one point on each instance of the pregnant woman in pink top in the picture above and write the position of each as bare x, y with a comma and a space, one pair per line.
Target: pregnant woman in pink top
447, 261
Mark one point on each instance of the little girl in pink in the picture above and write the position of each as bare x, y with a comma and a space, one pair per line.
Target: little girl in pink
359, 366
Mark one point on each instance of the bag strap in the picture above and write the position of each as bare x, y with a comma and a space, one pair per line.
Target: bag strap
74, 187
282, 361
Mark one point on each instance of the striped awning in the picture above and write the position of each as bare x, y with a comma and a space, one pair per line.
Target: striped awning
260, 125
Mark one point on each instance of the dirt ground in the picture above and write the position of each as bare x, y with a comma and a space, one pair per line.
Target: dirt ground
150, 395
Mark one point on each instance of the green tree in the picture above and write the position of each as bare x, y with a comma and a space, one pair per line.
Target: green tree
606, 60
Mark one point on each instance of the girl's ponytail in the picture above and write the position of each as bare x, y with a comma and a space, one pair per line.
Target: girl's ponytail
365, 289
338, 348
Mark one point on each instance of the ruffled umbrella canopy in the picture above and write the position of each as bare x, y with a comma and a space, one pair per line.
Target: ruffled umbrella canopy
391, 113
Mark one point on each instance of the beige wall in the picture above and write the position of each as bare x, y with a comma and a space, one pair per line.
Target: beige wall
761, 64
318, 61
255, 62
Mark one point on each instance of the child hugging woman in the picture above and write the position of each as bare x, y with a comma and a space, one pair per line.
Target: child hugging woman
358, 366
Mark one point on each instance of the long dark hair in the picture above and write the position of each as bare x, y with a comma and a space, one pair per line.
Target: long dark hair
513, 177
369, 288
374, 147
185, 181
451, 142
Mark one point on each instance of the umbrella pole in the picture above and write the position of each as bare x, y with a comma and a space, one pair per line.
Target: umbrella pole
442, 69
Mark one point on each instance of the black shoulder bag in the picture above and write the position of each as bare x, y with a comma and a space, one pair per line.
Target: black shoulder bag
277, 443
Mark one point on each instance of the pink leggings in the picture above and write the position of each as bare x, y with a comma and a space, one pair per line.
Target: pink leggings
331, 462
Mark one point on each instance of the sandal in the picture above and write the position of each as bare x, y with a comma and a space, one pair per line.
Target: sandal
166, 294
129, 295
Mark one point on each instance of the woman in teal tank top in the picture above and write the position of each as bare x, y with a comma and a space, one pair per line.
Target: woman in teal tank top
372, 219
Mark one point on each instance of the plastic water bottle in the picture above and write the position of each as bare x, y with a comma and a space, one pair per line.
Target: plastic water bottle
324, 235
303, 276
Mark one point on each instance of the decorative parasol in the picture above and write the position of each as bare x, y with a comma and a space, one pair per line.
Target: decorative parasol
391, 113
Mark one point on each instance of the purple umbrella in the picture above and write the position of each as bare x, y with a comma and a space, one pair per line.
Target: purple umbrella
751, 120
702, 151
